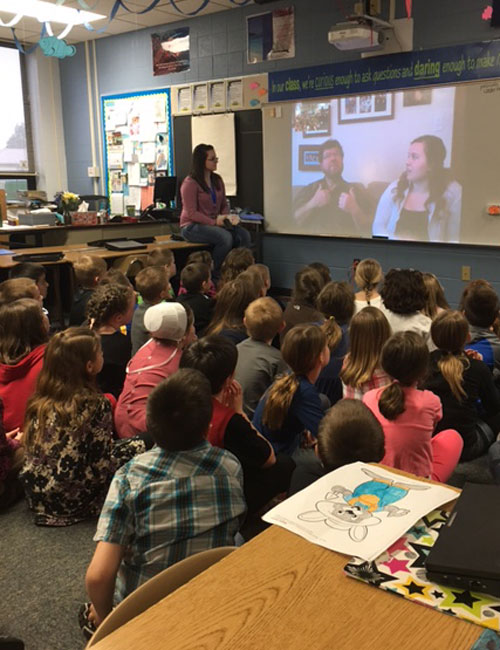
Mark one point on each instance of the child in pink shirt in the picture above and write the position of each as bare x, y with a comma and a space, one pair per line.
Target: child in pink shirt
171, 327
409, 416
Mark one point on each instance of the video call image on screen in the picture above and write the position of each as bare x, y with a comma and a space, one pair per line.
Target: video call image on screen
413, 165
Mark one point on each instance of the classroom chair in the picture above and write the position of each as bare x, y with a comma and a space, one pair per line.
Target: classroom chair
157, 588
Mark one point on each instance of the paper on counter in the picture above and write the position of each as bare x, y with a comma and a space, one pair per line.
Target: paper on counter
359, 509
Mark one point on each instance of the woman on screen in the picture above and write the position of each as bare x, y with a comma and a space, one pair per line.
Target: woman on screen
425, 203
205, 214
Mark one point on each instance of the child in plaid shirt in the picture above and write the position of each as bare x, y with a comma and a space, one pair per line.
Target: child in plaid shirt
181, 497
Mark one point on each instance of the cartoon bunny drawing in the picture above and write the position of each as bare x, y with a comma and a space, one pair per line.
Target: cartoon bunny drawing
354, 513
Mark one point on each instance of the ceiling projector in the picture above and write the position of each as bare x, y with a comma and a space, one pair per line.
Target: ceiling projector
355, 36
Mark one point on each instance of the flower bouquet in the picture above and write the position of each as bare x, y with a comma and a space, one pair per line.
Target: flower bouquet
67, 202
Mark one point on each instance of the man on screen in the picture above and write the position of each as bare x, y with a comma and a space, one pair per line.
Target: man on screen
331, 205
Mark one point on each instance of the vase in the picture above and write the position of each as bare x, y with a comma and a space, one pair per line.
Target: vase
67, 216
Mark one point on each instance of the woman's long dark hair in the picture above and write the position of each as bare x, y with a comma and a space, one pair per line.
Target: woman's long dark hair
438, 179
200, 153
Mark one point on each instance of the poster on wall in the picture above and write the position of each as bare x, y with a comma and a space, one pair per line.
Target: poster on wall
271, 35
170, 51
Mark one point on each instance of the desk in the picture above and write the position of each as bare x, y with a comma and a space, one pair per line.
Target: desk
279, 592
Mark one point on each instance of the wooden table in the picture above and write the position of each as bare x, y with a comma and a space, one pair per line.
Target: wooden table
280, 592
73, 251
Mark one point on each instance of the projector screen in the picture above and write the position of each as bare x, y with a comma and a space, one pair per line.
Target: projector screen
418, 165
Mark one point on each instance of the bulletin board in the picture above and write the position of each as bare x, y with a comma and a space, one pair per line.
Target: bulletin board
137, 147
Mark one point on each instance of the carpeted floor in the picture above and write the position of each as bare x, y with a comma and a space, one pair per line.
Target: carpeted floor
42, 574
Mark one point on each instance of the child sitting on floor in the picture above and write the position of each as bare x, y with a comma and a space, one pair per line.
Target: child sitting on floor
302, 306
145, 524
17, 288
367, 277
69, 452
89, 271
464, 384
265, 475
35, 272
110, 308
195, 278
361, 372
348, 433
201, 257
24, 332
170, 328
292, 404
153, 286
409, 416
481, 306
164, 257
258, 361
229, 310
336, 303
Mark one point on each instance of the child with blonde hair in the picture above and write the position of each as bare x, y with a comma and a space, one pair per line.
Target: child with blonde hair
409, 416
259, 362
368, 276
292, 406
68, 433
152, 283
462, 382
361, 372
89, 271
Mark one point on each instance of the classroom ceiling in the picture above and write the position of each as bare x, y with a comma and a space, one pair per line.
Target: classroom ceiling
28, 29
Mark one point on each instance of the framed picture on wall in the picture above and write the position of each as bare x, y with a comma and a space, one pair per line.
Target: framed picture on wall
313, 119
366, 108
417, 97
309, 158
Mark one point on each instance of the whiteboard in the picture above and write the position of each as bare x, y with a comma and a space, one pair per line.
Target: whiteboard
218, 130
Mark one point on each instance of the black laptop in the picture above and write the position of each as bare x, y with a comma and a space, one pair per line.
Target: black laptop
467, 552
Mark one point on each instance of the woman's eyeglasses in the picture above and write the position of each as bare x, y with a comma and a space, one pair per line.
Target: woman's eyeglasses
212, 160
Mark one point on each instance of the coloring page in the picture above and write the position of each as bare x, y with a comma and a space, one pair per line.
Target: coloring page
359, 509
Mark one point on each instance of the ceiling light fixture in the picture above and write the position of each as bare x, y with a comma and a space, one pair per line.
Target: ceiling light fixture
47, 12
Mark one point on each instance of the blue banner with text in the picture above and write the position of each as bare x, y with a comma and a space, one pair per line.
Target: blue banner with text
471, 62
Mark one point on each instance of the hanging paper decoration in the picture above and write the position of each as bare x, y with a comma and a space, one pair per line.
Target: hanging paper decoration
53, 46
487, 13
119, 4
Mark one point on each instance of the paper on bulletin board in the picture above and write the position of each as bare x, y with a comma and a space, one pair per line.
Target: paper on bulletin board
200, 97
146, 196
115, 158
148, 152
234, 94
218, 130
116, 203
217, 96
128, 150
134, 197
134, 176
255, 90
184, 100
